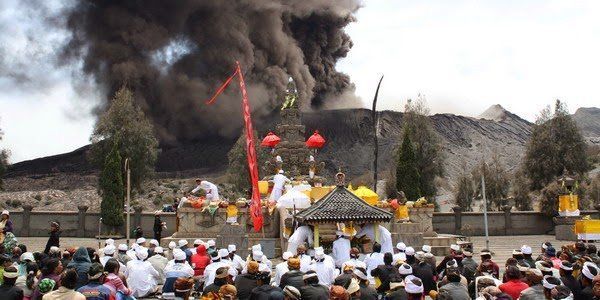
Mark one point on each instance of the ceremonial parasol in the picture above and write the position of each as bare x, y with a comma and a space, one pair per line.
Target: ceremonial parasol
366, 194
293, 199
271, 140
315, 141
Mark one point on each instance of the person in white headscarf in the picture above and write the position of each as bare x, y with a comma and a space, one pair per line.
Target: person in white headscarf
279, 181
212, 191
341, 249
220, 260
385, 237
142, 278
236, 261
281, 268
324, 268
301, 234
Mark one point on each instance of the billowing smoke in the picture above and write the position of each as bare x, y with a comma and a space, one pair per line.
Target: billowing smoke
175, 53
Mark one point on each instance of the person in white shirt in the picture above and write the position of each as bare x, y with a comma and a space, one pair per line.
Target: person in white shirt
109, 252
263, 259
178, 267
325, 269
212, 191
301, 235
281, 268
106, 243
399, 256
353, 259
385, 237
236, 261
305, 259
373, 260
279, 181
142, 279
220, 260
159, 263
341, 249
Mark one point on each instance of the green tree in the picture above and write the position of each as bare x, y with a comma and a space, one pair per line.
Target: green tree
238, 172
127, 124
407, 173
555, 144
427, 145
520, 191
4, 154
497, 183
464, 192
111, 189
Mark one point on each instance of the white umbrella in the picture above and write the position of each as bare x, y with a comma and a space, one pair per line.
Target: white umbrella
294, 198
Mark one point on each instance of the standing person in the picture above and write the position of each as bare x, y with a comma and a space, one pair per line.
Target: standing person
341, 249
81, 263
212, 191
385, 237
6, 224
66, 290
279, 181
54, 239
8, 290
302, 234
94, 289
158, 226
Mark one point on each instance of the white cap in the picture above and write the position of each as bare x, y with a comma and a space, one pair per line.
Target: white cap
211, 243
231, 248
158, 249
455, 247
5, 212
257, 255
319, 252
122, 247
426, 248
172, 245
223, 252
182, 243
154, 242
590, 270
405, 269
256, 247
401, 246
286, 255
27, 256
198, 242
109, 250
526, 249
54, 249
281, 172
134, 246
412, 288
141, 253
410, 251
178, 254
140, 241
109, 242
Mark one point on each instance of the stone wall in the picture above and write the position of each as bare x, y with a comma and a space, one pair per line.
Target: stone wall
466, 223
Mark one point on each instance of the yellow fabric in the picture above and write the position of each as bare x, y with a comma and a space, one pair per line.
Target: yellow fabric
263, 187
401, 212
366, 195
587, 226
377, 282
319, 192
232, 211
568, 203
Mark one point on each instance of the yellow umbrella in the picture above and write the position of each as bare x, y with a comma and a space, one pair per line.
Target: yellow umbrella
366, 194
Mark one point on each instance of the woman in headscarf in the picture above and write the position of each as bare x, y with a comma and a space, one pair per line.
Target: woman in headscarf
51, 271
6, 225
81, 263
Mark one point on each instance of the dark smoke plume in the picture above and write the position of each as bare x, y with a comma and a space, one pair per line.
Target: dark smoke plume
174, 54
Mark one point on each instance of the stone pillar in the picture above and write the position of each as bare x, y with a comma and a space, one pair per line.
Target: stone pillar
137, 217
507, 219
457, 219
81, 220
25, 226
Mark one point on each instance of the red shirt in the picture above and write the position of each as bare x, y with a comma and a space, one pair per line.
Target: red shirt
513, 287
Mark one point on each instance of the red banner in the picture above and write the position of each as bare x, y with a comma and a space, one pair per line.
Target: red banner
255, 205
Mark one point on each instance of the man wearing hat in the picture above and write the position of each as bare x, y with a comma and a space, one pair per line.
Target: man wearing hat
178, 267
469, 266
454, 287
293, 277
442, 265
325, 269
218, 261
151, 245
397, 290
236, 261
159, 262
264, 290
384, 272
535, 291
366, 291
372, 260
95, 289
400, 255
197, 242
282, 267
341, 248
566, 276
246, 282
212, 247
513, 286
122, 256
527, 255
424, 271
183, 246
354, 255
486, 257
222, 277
588, 272
109, 252
141, 277
291, 293
415, 288
8, 290
312, 289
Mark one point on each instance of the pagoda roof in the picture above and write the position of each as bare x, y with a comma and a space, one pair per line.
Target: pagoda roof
341, 205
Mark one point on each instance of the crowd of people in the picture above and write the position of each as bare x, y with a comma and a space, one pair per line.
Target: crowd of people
144, 269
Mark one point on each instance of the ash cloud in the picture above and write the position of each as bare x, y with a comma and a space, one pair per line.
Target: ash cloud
174, 54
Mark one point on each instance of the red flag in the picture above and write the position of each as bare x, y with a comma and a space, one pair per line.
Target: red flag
255, 205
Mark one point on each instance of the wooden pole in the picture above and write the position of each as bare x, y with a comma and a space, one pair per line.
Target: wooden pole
375, 142
376, 231
316, 236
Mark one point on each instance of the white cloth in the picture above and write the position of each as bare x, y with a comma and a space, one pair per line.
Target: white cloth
141, 277
305, 262
351, 261
182, 201
302, 234
372, 261
294, 198
385, 237
159, 263
325, 271
212, 191
238, 263
400, 256
211, 270
280, 269
279, 181
341, 251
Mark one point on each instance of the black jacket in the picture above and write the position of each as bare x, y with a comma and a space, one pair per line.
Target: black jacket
314, 292
245, 284
293, 278
158, 224
53, 240
425, 272
397, 294
367, 292
10, 292
343, 280
384, 272
267, 292
211, 288
572, 284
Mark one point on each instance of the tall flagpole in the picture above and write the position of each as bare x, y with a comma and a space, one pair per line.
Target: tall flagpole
375, 142
485, 211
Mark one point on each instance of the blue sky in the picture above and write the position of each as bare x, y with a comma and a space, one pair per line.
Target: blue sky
462, 55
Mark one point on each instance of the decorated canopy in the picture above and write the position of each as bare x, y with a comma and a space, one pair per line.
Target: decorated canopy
315, 140
293, 199
271, 140
366, 194
341, 205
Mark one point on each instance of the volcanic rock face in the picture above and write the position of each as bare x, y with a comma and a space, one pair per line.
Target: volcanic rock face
588, 121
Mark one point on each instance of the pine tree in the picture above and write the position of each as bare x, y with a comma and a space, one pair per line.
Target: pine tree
126, 123
407, 173
555, 144
111, 189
